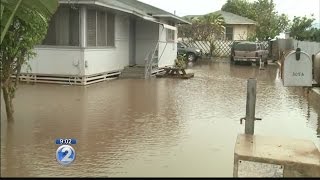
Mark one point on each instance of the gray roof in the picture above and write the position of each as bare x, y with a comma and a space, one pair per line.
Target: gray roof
132, 6
151, 10
144, 7
229, 18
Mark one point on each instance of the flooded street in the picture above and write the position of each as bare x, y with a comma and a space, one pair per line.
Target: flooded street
159, 127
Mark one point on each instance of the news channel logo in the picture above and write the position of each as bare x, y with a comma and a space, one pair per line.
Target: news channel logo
65, 153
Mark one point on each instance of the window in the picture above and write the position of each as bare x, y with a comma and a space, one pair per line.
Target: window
110, 30
229, 32
100, 28
170, 34
63, 28
91, 28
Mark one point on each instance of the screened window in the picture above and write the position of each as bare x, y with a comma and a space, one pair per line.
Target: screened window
229, 33
110, 30
170, 35
100, 28
91, 28
64, 28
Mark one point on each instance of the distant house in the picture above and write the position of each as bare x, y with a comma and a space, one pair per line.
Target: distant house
237, 27
90, 40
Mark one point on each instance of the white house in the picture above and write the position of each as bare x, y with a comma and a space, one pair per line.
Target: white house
91, 40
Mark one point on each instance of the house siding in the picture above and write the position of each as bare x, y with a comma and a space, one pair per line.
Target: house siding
85, 61
167, 49
240, 32
56, 61
113, 58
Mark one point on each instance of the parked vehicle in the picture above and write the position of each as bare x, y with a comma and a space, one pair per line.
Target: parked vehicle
250, 52
232, 49
192, 53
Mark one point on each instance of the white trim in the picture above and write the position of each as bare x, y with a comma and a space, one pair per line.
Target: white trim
68, 79
94, 2
83, 26
111, 7
149, 18
240, 24
139, 14
172, 16
169, 27
96, 27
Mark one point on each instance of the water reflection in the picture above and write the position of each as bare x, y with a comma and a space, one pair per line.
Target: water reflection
158, 127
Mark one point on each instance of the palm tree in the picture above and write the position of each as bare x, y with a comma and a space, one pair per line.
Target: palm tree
213, 24
212, 27
11, 8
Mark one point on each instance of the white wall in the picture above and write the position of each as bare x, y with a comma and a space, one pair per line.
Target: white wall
308, 47
56, 61
113, 58
168, 50
147, 34
240, 32
64, 61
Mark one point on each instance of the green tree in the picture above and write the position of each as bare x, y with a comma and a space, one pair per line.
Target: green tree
269, 22
301, 28
314, 34
239, 7
19, 35
11, 8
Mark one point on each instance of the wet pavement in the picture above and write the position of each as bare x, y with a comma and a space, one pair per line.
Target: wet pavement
158, 127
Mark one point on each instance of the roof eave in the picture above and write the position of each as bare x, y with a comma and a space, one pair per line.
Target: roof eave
174, 17
240, 23
94, 2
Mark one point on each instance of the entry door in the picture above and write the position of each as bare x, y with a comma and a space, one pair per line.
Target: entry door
132, 42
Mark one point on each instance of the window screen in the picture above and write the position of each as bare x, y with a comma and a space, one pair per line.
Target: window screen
229, 33
110, 29
91, 27
63, 28
170, 35
101, 29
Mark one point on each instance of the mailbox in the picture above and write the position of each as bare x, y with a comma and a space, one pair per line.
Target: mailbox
297, 69
316, 68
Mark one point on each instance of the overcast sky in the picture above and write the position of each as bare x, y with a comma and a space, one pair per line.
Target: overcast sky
198, 7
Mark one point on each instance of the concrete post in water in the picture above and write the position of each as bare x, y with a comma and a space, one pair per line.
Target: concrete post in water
250, 106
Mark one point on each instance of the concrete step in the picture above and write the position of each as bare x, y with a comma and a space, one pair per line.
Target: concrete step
133, 72
136, 72
140, 76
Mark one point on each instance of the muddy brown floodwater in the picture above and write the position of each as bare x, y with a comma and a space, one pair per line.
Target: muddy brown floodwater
158, 127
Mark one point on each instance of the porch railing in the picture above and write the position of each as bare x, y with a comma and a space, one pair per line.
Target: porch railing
150, 59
